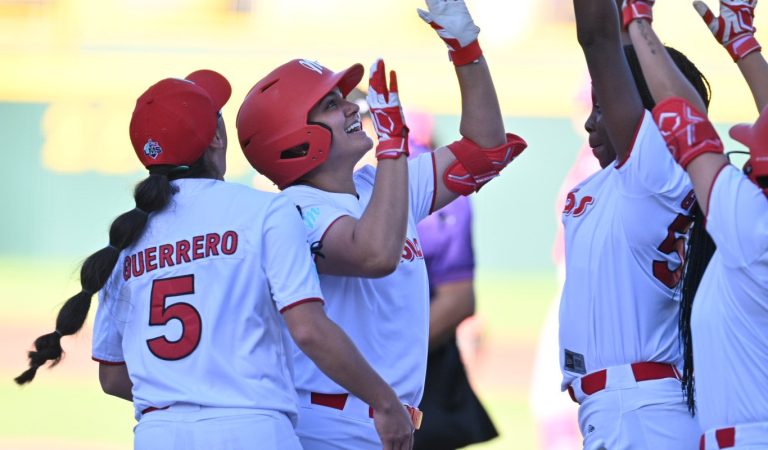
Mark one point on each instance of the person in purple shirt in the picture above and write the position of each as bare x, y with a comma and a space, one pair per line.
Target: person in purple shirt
453, 415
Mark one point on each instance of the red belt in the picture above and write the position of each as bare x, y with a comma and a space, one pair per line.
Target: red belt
643, 371
152, 408
337, 401
726, 438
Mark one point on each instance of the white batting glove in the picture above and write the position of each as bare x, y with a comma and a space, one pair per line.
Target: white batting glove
733, 29
387, 115
454, 25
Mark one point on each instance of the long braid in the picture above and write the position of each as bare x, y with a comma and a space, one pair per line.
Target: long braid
152, 194
699, 252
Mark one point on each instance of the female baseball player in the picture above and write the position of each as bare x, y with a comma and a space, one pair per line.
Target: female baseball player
625, 230
729, 316
194, 282
297, 128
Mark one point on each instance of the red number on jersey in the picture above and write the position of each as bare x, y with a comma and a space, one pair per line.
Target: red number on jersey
672, 243
159, 314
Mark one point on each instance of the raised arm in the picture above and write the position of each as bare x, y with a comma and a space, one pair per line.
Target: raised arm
371, 246
465, 166
680, 112
661, 74
735, 31
598, 32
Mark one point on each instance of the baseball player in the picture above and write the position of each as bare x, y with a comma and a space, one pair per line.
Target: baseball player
296, 127
729, 313
625, 229
195, 284
453, 415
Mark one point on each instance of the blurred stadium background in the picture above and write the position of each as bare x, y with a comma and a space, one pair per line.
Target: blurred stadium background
70, 71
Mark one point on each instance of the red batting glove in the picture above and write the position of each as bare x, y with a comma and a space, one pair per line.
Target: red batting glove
454, 25
636, 9
387, 115
733, 29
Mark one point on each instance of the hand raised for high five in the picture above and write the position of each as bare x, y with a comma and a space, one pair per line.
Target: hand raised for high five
454, 25
387, 115
734, 29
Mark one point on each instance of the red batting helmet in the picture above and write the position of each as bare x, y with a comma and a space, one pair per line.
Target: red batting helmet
756, 138
274, 118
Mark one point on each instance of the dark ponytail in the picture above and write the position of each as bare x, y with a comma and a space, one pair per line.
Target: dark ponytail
151, 195
699, 252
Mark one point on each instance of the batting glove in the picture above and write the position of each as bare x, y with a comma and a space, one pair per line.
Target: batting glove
454, 25
636, 9
733, 29
387, 115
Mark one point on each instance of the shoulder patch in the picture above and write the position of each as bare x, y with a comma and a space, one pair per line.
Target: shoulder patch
310, 217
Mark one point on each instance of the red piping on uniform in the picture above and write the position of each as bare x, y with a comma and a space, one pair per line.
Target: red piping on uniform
306, 300
709, 194
634, 141
108, 363
434, 183
326, 232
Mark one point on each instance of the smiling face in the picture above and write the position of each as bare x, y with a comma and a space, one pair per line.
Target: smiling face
343, 119
598, 136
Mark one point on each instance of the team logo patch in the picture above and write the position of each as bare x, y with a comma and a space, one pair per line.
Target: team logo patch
310, 217
314, 66
152, 149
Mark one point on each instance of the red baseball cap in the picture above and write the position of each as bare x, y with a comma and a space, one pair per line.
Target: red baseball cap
175, 120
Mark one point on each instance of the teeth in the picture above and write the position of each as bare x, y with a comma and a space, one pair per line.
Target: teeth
353, 128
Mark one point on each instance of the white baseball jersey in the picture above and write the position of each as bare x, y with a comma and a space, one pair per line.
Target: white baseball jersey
193, 307
729, 322
387, 318
625, 230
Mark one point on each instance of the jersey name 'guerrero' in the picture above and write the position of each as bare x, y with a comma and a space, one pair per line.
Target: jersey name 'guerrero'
183, 251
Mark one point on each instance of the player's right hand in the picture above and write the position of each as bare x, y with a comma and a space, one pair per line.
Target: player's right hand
386, 113
452, 22
636, 9
395, 427
734, 29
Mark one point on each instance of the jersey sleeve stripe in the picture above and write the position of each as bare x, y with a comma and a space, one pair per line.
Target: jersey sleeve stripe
327, 230
108, 363
634, 142
434, 183
297, 303
711, 189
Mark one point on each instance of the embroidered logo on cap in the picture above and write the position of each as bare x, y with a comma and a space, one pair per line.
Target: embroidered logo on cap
152, 149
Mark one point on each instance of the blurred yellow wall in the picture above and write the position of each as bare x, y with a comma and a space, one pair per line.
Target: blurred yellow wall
90, 59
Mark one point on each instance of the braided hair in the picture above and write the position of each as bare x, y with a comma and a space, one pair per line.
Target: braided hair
700, 249
151, 195
700, 245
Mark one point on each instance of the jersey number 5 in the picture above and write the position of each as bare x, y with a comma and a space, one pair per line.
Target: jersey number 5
161, 314
671, 244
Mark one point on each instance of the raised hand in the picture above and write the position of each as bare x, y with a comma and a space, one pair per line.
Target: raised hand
454, 25
734, 28
387, 115
636, 9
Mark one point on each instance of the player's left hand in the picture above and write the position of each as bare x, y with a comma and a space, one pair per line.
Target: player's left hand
454, 25
387, 115
635, 10
734, 29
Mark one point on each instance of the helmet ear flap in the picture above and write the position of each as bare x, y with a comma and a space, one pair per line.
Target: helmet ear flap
290, 157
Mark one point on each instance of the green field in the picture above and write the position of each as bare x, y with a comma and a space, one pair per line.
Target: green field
64, 408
